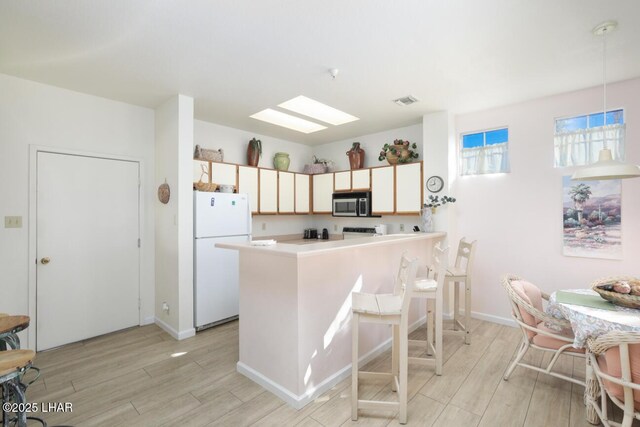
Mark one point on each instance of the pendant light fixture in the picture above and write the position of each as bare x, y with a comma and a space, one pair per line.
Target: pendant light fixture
606, 167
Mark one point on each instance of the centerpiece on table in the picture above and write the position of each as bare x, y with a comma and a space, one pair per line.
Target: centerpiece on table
400, 151
430, 208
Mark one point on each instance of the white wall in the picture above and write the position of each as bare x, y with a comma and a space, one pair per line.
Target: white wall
234, 143
517, 217
174, 221
36, 114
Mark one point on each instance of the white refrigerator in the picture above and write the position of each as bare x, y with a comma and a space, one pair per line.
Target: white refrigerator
219, 217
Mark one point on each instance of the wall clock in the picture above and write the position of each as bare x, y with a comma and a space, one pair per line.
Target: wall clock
435, 184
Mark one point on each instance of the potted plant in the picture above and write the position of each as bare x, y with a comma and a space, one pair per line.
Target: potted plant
399, 152
436, 201
254, 151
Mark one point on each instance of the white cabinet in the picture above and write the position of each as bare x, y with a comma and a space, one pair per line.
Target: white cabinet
286, 191
382, 190
342, 181
408, 188
322, 192
268, 191
223, 173
303, 204
360, 179
248, 183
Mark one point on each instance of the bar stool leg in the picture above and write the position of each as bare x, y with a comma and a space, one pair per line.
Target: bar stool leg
430, 320
438, 337
395, 347
404, 368
456, 304
467, 310
354, 366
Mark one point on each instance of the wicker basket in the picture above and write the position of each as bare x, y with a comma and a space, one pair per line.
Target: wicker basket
624, 300
208, 154
205, 186
314, 168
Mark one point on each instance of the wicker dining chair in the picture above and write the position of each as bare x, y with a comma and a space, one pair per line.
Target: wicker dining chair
527, 311
615, 358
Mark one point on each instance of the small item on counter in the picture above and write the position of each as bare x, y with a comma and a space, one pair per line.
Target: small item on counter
325, 234
416, 228
263, 242
622, 287
313, 233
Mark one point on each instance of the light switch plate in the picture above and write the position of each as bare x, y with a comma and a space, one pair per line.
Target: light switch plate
12, 222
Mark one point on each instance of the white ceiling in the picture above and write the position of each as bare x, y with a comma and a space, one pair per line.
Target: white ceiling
237, 57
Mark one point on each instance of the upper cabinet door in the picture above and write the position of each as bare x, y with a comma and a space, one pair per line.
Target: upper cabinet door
361, 179
286, 190
223, 173
303, 202
342, 181
248, 183
322, 193
408, 188
268, 191
382, 190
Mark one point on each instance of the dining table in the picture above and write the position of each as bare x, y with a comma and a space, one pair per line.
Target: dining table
591, 322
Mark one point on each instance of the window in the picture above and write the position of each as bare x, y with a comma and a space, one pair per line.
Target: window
484, 152
579, 139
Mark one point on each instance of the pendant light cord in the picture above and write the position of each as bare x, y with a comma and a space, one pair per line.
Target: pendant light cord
604, 78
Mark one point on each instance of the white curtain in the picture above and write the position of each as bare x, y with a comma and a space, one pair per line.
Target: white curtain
488, 159
581, 147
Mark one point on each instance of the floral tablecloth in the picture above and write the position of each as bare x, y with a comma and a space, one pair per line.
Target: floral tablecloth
588, 322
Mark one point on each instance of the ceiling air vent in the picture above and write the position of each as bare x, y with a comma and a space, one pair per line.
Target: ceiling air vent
406, 100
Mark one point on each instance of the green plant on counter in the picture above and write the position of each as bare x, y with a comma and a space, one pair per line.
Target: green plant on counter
435, 201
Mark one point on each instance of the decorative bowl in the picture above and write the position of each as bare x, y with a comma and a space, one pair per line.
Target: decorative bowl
624, 300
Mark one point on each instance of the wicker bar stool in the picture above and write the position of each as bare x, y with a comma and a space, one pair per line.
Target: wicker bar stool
13, 365
430, 286
389, 309
9, 328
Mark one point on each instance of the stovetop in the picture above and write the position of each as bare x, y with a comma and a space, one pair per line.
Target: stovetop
364, 230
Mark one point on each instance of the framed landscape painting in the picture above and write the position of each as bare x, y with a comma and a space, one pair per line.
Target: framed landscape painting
592, 217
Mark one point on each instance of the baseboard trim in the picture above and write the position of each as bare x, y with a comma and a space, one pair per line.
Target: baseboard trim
299, 401
187, 333
148, 321
494, 319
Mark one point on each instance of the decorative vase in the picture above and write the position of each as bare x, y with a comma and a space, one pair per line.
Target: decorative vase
253, 155
281, 161
427, 219
393, 158
356, 156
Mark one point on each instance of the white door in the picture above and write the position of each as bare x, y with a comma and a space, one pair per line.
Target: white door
87, 247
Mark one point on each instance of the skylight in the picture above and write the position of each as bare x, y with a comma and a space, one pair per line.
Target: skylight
317, 110
288, 121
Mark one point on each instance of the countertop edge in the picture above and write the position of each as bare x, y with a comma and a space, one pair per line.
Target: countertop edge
278, 250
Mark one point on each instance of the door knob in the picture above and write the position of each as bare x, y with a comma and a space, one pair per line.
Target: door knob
45, 260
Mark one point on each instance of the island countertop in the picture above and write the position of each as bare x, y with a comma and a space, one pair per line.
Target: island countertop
323, 246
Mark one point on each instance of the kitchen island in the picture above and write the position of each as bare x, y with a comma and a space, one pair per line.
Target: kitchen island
295, 308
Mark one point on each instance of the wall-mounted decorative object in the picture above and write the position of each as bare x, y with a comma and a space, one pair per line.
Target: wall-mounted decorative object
399, 152
164, 193
435, 184
254, 151
592, 216
356, 156
205, 185
207, 154
281, 161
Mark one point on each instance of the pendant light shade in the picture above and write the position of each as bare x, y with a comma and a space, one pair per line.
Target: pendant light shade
606, 167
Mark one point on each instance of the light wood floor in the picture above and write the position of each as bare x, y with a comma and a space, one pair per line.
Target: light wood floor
142, 377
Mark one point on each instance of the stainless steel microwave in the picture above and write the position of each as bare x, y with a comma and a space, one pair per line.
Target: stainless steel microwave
352, 204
